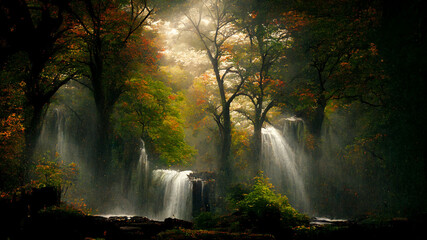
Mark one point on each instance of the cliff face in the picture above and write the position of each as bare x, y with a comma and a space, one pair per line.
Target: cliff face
203, 192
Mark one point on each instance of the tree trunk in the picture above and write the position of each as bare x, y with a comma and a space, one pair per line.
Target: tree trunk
257, 141
315, 129
103, 146
316, 122
225, 166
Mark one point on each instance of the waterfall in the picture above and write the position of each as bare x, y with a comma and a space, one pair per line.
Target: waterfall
175, 194
139, 183
142, 170
54, 138
61, 140
156, 194
170, 194
279, 161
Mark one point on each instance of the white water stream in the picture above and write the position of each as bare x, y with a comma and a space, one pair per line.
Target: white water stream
279, 162
175, 194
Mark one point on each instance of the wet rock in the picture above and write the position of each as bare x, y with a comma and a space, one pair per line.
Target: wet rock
118, 219
171, 223
137, 219
211, 235
206, 176
203, 191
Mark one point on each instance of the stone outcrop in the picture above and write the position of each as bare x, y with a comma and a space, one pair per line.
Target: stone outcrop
203, 191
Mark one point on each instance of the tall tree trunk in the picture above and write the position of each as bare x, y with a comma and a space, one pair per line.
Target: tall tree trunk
225, 166
103, 146
103, 143
315, 124
257, 141
103, 149
315, 129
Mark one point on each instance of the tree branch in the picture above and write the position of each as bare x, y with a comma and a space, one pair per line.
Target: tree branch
236, 93
50, 93
84, 84
134, 19
246, 115
264, 113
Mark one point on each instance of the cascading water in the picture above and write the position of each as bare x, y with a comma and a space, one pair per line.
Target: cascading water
142, 172
175, 195
61, 143
132, 200
55, 137
279, 161
157, 194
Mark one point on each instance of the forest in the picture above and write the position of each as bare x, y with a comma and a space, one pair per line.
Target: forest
212, 119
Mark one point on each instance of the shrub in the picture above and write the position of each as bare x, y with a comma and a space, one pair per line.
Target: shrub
61, 211
237, 193
206, 221
50, 172
263, 210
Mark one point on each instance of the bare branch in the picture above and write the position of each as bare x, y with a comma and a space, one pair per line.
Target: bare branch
59, 84
135, 24
252, 98
237, 91
269, 106
246, 115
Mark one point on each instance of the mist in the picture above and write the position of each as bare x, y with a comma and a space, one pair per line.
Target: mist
335, 184
261, 116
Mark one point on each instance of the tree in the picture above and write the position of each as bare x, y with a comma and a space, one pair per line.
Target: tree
401, 43
200, 98
332, 63
11, 130
149, 110
109, 31
338, 61
260, 61
42, 61
212, 23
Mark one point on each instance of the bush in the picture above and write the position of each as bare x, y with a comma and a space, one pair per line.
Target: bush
237, 193
265, 211
206, 221
52, 172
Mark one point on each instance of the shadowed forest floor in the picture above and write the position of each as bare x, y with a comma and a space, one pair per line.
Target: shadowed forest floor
61, 224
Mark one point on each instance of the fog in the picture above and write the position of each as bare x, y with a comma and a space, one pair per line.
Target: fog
337, 174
